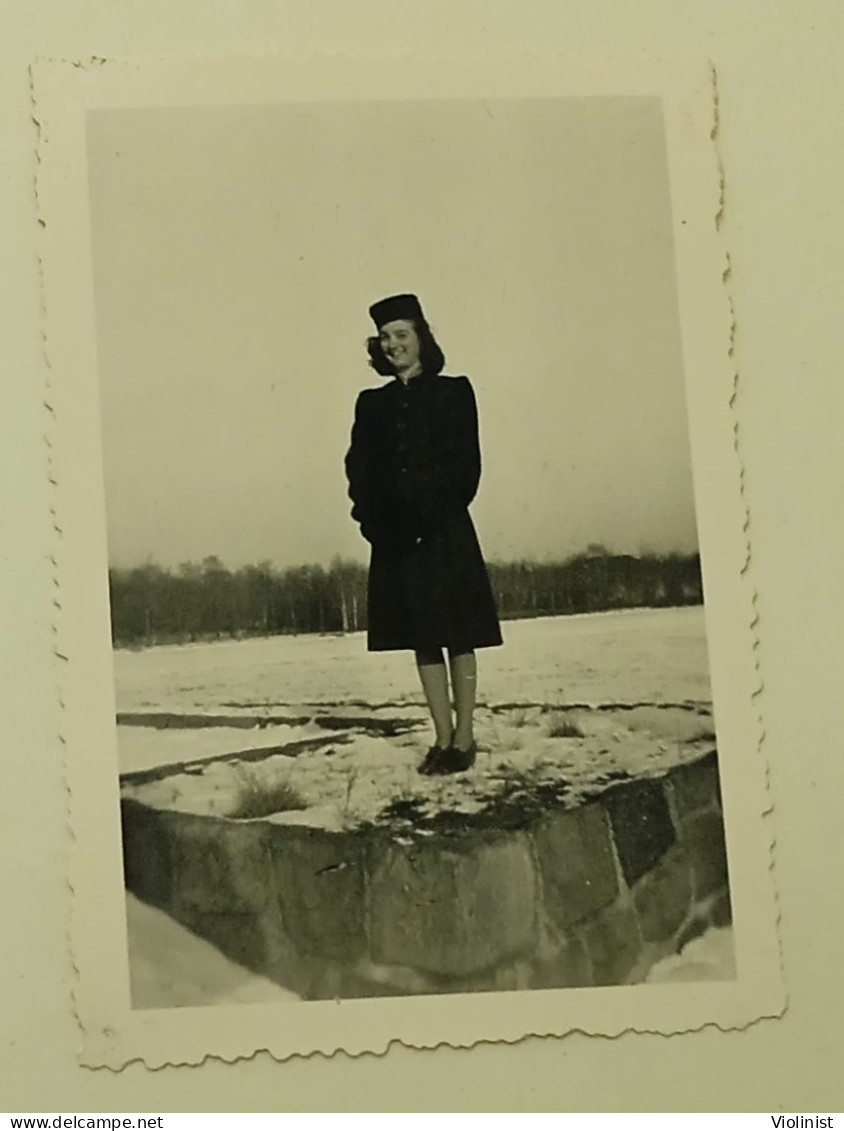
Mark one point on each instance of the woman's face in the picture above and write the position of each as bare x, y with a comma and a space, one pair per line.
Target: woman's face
400, 344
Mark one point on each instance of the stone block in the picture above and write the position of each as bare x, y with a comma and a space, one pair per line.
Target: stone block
641, 825
722, 910
663, 896
147, 853
566, 967
703, 840
352, 982
283, 962
338, 982
696, 785
613, 944
320, 880
219, 866
452, 908
240, 937
388, 981
507, 976
574, 850
693, 929
511, 976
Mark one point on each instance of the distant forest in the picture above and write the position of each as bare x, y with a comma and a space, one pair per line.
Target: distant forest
153, 605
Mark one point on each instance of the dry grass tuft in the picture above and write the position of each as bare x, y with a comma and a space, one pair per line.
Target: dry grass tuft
259, 798
561, 726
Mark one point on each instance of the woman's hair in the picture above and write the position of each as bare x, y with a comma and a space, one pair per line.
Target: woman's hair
431, 357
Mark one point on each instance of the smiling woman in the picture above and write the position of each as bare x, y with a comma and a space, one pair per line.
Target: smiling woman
413, 468
401, 346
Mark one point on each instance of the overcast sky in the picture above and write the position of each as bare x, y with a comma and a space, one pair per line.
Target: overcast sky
236, 252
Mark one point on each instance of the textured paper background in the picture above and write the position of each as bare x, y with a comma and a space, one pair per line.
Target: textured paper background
113, 1033
780, 89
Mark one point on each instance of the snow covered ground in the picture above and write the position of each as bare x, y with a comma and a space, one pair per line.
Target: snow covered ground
354, 777
288, 688
285, 686
169, 966
709, 958
638, 655
142, 747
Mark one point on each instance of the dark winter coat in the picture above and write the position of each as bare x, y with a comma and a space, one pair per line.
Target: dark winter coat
413, 468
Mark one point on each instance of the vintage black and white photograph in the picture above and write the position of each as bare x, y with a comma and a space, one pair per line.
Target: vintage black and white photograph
406, 595
408, 599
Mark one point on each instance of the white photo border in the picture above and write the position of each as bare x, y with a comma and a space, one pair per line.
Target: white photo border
114, 1034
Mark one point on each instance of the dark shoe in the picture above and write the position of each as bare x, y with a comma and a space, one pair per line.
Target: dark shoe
456, 761
431, 762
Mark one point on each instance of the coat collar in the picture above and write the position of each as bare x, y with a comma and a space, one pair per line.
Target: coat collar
423, 378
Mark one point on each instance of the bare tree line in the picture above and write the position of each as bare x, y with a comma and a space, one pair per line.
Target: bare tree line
151, 604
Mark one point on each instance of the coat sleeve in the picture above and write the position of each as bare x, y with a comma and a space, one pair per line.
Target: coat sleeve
374, 506
360, 471
465, 463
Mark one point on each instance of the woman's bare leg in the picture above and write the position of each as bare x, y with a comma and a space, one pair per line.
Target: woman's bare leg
464, 682
434, 677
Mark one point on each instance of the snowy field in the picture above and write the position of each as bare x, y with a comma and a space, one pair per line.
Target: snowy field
638, 655
266, 694
279, 686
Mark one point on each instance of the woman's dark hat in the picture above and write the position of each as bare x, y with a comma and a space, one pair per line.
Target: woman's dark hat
394, 307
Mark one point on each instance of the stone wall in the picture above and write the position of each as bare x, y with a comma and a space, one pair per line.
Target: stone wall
578, 897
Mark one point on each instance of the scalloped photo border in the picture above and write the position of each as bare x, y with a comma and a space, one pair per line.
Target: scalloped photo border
112, 1034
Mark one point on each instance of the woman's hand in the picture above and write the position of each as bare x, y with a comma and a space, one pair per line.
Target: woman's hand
394, 537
